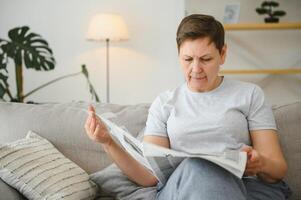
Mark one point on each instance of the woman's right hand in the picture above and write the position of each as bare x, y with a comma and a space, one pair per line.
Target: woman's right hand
95, 129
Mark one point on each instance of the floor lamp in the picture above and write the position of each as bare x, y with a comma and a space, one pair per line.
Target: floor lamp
108, 28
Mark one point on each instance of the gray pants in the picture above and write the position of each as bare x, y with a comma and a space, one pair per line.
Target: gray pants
200, 179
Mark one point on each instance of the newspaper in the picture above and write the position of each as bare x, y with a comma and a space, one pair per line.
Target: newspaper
162, 161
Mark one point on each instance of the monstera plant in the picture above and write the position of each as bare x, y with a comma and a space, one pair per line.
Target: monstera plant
28, 50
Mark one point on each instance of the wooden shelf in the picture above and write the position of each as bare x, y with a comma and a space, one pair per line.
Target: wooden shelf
262, 26
261, 71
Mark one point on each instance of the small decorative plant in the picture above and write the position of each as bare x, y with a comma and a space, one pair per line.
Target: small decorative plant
32, 51
267, 9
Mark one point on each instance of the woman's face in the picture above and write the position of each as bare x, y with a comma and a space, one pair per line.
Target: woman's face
201, 61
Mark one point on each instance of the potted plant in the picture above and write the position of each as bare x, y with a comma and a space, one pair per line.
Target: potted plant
267, 9
31, 51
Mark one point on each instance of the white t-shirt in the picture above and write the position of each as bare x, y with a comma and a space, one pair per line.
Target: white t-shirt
210, 121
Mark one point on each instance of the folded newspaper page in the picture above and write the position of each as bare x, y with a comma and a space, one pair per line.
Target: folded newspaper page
163, 161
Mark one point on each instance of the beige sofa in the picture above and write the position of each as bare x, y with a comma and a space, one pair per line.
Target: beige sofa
63, 125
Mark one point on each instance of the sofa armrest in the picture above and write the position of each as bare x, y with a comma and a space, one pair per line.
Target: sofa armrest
288, 119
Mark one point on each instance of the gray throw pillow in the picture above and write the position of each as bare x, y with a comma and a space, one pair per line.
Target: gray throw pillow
112, 182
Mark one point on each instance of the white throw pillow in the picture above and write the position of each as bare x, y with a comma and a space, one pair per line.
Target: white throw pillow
39, 171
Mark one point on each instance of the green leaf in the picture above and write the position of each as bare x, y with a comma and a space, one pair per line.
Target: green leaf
279, 13
274, 3
18, 57
2, 91
18, 33
3, 83
42, 48
8, 49
265, 3
31, 36
3, 77
261, 11
85, 71
91, 88
3, 63
269, 3
39, 41
3, 60
30, 47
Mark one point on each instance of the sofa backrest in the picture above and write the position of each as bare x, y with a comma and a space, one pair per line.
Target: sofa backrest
63, 125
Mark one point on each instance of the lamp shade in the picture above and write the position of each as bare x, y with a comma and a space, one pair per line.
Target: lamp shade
107, 26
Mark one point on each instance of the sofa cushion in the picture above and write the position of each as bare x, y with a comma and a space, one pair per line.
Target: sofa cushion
63, 125
112, 182
288, 119
39, 171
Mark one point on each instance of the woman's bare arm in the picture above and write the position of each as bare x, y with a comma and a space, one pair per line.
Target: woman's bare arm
265, 158
97, 132
129, 166
158, 140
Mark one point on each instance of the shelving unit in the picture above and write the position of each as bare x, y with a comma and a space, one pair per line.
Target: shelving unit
262, 26
261, 71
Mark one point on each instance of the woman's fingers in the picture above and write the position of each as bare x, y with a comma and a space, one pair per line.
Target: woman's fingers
254, 156
246, 148
254, 159
91, 108
253, 166
250, 172
93, 123
94, 119
95, 128
87, 124
254, 163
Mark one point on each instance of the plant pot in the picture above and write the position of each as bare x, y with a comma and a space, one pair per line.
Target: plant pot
271, 20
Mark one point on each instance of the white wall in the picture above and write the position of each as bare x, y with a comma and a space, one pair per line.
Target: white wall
146, 64
140, 68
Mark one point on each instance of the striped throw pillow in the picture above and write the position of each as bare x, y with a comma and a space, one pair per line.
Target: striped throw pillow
39, 171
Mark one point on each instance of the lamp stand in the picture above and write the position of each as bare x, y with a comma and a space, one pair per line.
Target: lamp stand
108, 71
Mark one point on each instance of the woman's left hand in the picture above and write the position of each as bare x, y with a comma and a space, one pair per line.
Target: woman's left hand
254, 161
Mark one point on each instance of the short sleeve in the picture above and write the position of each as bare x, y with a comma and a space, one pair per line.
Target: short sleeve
260, 113
156, 123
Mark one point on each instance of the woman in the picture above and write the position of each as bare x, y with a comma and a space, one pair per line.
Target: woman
208, 113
